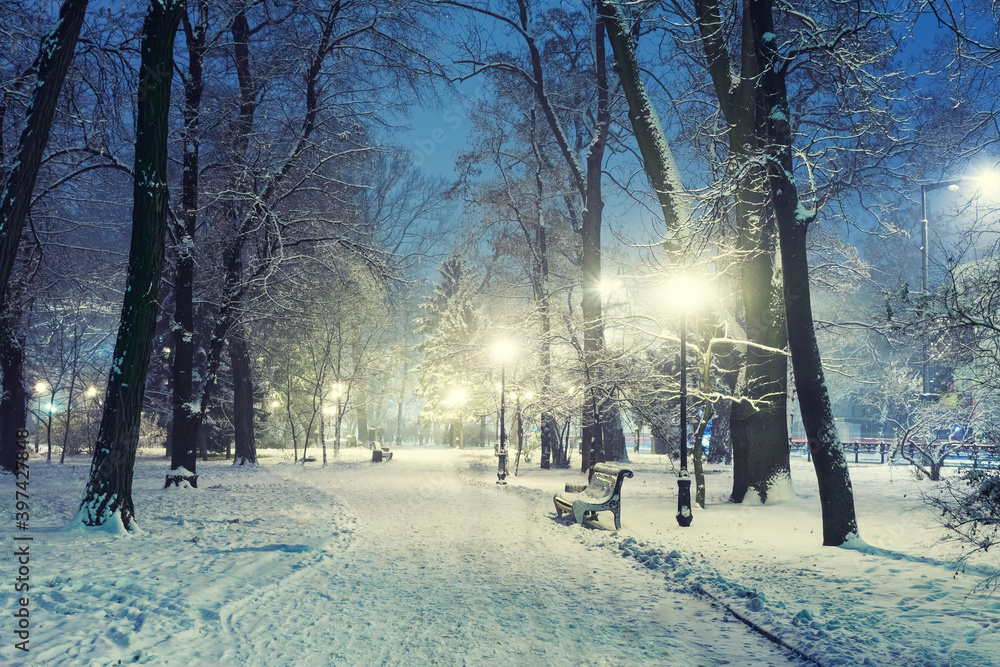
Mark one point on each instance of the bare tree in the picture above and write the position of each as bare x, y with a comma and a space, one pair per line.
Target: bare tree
53, 61
793, 219
108, 496
575, 137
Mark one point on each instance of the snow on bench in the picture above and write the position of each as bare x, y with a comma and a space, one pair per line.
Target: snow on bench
603, 493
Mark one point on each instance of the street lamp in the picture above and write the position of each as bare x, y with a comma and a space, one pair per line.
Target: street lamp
503, 352
684, 294
987, 180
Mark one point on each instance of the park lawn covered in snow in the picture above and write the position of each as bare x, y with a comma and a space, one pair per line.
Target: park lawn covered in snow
425, 560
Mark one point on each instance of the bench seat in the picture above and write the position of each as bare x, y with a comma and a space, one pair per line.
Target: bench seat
602, 494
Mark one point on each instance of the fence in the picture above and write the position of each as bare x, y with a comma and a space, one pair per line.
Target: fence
967, 451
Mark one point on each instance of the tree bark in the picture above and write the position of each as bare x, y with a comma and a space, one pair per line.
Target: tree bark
13, 397
108, 495
54, 58
657, 158
593, 326
243, 422
361, 414
72, 391
836, 494
759, 434
549, 428
186, 417
614, 434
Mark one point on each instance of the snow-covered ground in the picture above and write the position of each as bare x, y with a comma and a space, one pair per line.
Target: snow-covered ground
425, 560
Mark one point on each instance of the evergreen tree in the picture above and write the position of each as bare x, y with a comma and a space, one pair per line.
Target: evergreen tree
453, 348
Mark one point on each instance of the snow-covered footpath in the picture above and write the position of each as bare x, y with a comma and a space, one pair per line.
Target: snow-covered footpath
425, 560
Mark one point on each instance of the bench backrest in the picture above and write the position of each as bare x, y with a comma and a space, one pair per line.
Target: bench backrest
606, 482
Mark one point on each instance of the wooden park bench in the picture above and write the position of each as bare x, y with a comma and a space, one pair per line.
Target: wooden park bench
380, 455
603, 493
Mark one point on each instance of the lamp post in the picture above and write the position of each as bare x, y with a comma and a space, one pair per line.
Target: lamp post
683, 480
684, 293
987, 180
503, 351
924, 263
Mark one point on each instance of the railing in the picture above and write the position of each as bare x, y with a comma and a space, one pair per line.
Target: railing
973, 451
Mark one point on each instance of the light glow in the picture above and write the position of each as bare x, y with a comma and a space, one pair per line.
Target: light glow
988, 181
608, 286
458, 396
685, 293
504, 350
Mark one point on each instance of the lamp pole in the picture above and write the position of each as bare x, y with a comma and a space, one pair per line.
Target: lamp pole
502, 452
924, 263
683, 481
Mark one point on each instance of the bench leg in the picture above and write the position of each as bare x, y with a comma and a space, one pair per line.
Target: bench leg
578, 513
618, 520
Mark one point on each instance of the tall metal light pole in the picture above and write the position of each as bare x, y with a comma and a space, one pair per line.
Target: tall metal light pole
502, 452
684, 293
503, 351
924, 261
683, 480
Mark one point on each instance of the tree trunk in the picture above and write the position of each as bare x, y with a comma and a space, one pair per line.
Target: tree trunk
613, 434
836, 494
13, 397
549, 428
202, 441
243, 421
657, 158
399, 410
54, 58
108, 496
186, 417
361, 413
759, 436
593, 326
759, 429
719, 443
697, 455
48, 430
72, 387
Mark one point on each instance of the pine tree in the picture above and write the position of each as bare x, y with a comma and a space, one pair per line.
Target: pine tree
452, 347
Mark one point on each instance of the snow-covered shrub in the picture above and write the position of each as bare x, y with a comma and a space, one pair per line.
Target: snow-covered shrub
969, 507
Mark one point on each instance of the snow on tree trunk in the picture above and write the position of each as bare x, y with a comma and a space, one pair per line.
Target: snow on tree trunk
108, 495
759, 436
760, 429
186, 417
657, 158
836, 494
54, 58
593, 325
